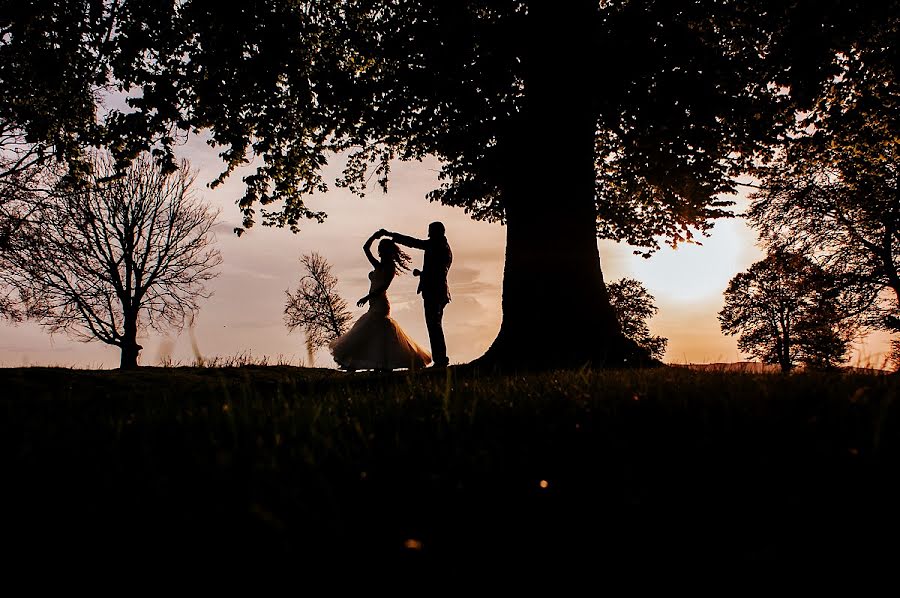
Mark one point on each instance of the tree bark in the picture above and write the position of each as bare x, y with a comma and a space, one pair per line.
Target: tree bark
130, 347
556, 310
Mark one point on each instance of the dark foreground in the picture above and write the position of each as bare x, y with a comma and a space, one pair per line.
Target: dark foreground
448, 473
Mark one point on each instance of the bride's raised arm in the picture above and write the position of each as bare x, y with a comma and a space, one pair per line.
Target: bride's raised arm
367, 249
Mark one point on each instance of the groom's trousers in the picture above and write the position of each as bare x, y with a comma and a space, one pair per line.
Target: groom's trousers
434, 313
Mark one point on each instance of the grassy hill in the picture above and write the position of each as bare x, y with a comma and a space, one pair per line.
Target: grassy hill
449, 470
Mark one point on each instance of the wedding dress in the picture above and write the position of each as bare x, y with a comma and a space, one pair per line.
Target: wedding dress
376, 341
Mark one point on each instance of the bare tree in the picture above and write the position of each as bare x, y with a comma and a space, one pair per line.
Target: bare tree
115, 255
316, 307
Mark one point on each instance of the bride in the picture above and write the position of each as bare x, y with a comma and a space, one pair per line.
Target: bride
376, 341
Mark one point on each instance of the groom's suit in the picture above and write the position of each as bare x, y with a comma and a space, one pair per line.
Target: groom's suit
433, 287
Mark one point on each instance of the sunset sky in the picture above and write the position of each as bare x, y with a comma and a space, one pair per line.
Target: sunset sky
244, 316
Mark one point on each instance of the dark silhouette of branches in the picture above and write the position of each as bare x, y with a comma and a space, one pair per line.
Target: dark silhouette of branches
833, 193
16, 154
22, 194
114, 255
316, 307
55, 63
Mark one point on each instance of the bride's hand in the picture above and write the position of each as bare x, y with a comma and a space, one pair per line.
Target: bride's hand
362, 302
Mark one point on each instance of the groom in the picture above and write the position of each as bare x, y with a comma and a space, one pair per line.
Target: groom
432, 283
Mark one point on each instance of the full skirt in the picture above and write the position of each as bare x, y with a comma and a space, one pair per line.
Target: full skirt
376, 341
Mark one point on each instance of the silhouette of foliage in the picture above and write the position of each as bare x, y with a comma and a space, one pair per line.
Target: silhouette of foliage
682, 108
316, 307
54, 63
628, 120
832, 193
116, 255
787, 311
634, 306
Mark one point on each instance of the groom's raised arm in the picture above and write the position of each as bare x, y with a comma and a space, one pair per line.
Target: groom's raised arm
408, 241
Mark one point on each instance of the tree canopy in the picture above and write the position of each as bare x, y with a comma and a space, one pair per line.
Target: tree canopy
833, 192
55, 64
684, 93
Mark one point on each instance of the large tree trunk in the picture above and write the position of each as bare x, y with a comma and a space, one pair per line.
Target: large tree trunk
556, 310
130, 348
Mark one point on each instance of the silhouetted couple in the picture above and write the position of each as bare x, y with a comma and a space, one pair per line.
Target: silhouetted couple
376, 341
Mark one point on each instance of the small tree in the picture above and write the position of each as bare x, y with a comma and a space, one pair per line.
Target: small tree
316, 307
116, 254
787, 310
634, 306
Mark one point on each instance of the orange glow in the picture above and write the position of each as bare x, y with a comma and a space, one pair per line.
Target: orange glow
687, 284
413, 544
544, 484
